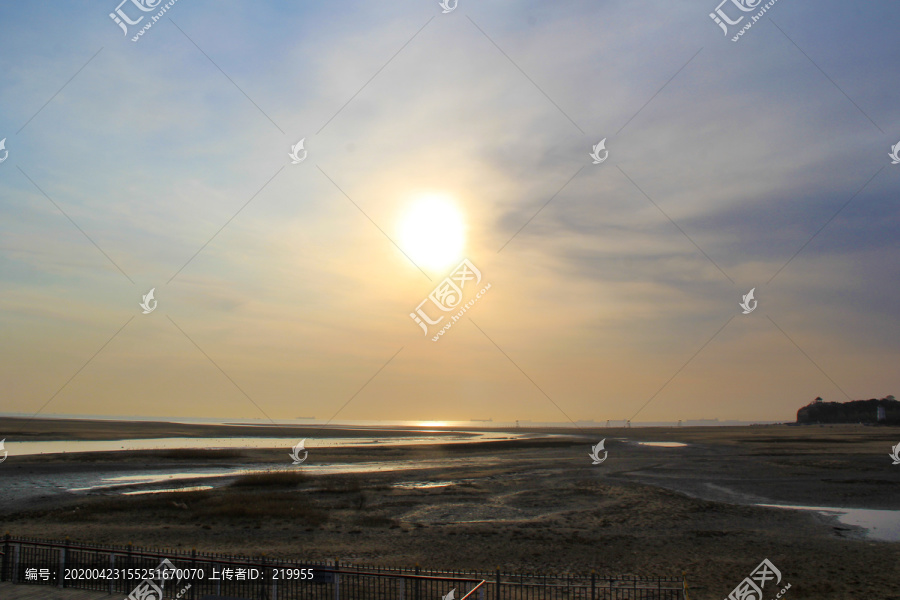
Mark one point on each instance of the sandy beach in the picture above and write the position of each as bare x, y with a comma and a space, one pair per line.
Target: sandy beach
521, 505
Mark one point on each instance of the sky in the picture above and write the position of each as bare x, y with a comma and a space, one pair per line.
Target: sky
285, 290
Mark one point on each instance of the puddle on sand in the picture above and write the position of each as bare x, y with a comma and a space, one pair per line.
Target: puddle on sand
192, 488
423, 485
663, 444
128, 480
882, 525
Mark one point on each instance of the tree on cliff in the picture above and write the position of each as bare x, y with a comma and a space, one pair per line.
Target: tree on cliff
855, 411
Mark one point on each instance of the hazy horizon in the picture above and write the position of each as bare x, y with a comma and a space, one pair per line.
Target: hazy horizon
300, 421
286, 289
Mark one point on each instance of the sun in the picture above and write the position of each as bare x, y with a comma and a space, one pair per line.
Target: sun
432, 232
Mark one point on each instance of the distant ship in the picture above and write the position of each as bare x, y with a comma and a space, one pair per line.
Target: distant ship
482, 420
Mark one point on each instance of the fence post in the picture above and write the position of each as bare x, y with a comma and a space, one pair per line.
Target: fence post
5, 565
497, 587
265, 570
112, 569
194, 566
593, 584
684, 585
402, 588
128, 565
337, 581
14, 577
62, 564
274, 592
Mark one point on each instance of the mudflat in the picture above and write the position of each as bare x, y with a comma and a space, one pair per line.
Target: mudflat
521, 504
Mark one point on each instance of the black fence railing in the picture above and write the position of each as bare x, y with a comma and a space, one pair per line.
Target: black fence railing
144, 574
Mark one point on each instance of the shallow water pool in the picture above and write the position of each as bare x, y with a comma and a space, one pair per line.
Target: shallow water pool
882, 525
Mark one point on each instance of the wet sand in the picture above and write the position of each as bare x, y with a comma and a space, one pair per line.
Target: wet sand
523, 505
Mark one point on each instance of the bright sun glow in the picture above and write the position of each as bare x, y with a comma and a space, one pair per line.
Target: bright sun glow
432, 233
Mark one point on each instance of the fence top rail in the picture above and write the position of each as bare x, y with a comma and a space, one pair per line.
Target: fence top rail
135, 550
399, 575
528, 575
603, 585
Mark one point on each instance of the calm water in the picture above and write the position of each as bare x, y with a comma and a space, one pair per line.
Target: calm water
664, 444
883, 525
423, 437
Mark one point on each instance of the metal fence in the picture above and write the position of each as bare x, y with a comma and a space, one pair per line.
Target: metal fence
122, 570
